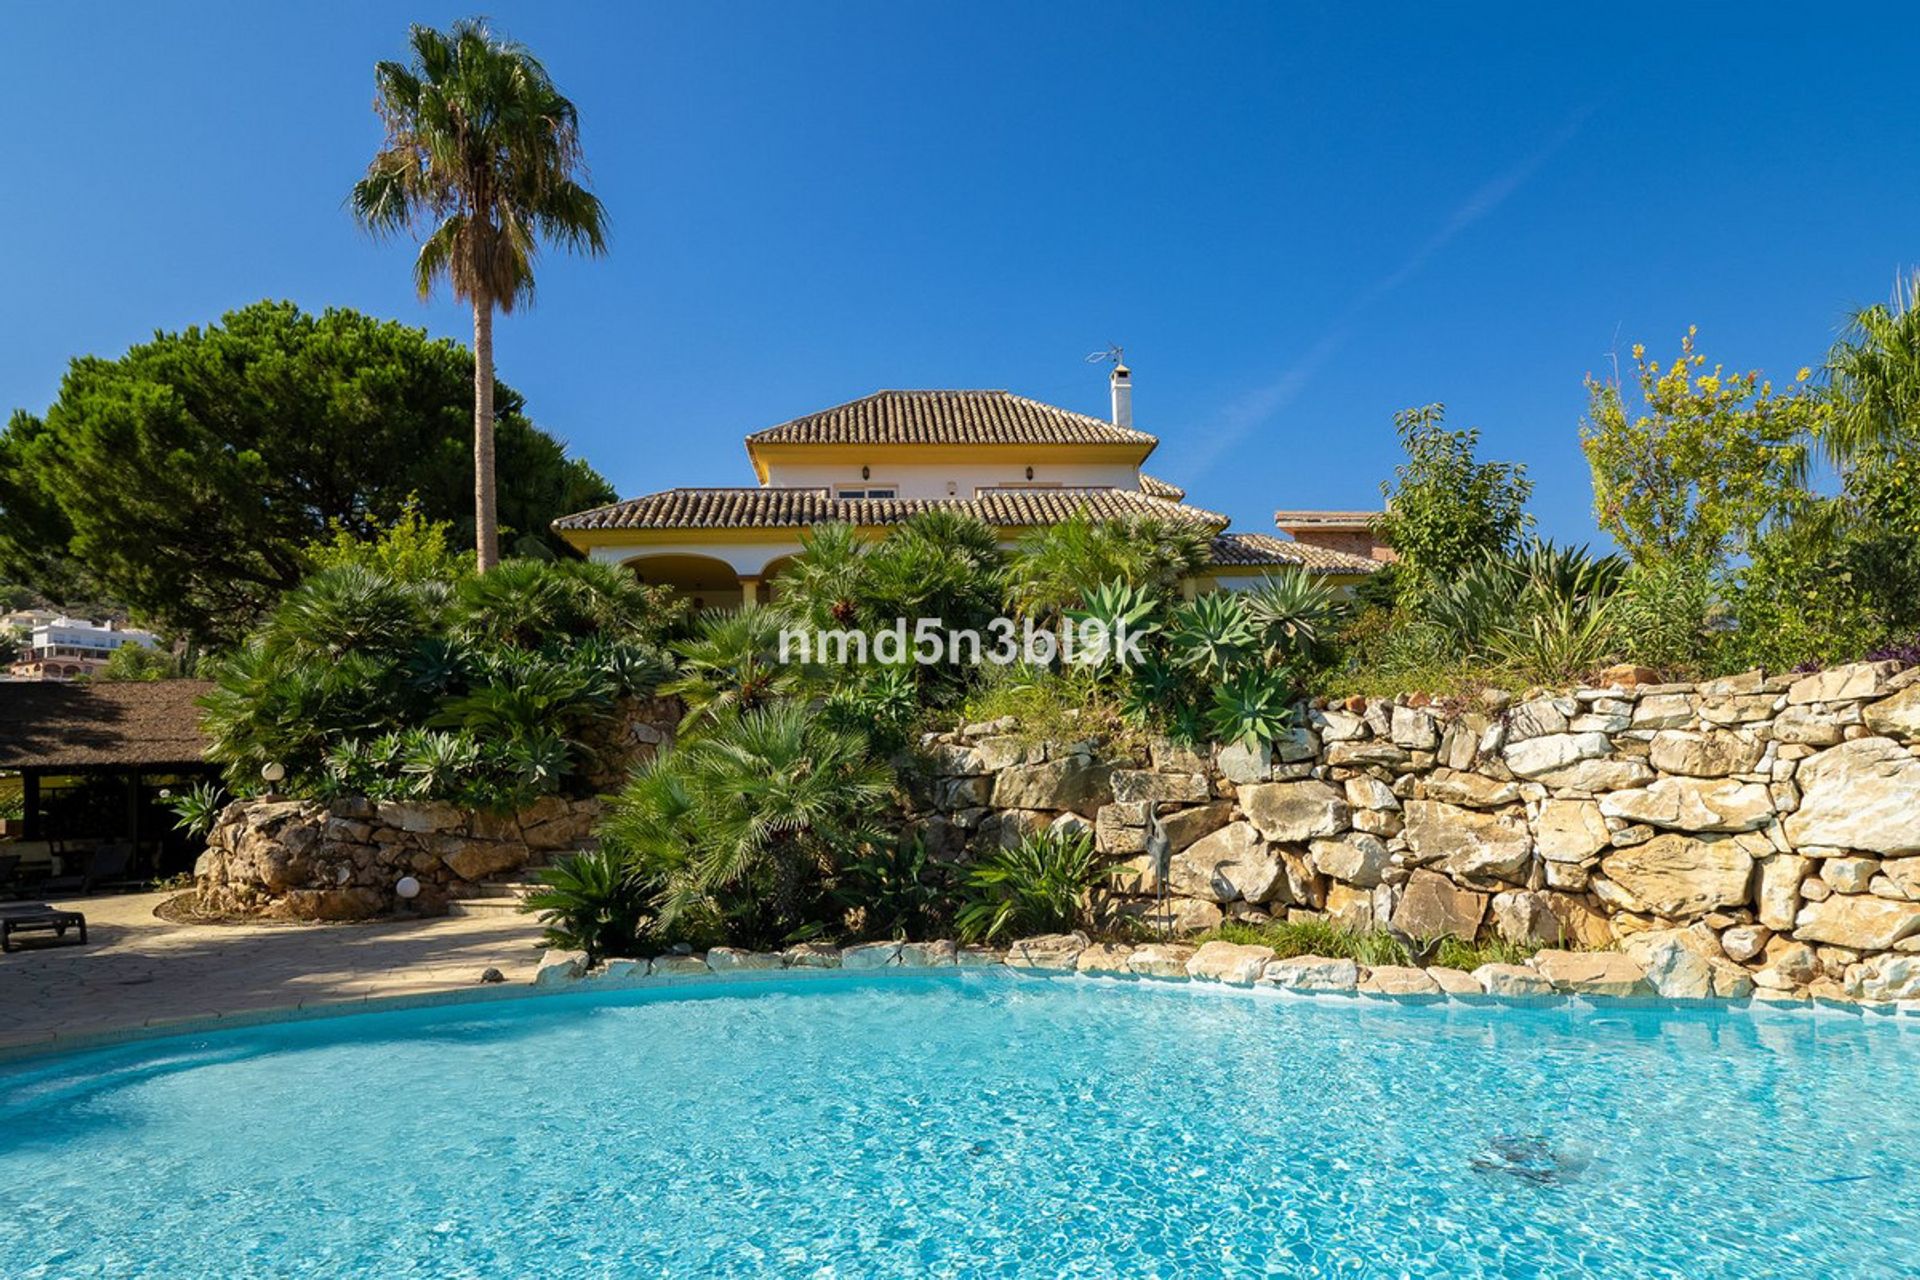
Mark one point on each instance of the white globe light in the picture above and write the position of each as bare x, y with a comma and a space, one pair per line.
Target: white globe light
407, 888
273, 771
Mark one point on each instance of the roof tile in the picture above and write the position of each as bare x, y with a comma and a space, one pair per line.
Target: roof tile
948, 417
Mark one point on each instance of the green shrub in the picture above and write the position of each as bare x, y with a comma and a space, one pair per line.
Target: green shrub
1041, 885
359, 682
743, 832
897, 891
591, 902
198, 808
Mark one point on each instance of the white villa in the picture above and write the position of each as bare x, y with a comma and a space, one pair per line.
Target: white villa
1015, 463
61, 648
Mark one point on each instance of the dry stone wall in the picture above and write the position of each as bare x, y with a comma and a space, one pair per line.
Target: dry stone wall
1751, 832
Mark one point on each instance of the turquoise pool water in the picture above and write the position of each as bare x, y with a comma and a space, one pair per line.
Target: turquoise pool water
974, 1124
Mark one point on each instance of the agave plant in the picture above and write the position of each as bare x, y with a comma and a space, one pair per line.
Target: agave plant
1294, 612
1114, 610
198, 808
1253, 706
1213, 634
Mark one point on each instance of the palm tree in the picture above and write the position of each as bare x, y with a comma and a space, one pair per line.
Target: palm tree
482, 154
1875, 376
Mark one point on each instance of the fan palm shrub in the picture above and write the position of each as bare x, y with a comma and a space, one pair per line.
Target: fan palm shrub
591, 902
744, 830
731, 665
1054, 567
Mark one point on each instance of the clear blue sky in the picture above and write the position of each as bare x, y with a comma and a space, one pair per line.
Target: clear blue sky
1295, 219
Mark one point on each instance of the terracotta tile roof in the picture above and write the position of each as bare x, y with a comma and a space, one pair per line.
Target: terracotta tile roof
948, 417
1161, 489
796, 508
1241, 549
53, 725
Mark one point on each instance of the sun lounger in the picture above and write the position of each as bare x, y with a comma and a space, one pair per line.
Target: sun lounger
38, 917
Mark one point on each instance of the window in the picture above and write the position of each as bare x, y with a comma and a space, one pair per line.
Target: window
866, 491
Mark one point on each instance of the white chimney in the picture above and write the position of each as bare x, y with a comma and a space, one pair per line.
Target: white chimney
1122, 382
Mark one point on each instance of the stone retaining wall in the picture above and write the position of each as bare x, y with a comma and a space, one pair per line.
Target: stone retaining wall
1751, 831
304, 860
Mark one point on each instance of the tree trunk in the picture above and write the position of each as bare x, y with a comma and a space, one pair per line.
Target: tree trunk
486, 512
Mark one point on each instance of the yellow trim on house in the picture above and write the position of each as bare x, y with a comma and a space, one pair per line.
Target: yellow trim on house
902, 452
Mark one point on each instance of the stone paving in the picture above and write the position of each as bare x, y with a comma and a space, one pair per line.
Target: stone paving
139, 970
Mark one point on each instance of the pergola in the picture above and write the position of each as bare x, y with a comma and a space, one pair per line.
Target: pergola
95, 756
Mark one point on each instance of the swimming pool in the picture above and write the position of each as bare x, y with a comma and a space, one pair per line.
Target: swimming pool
973, 1123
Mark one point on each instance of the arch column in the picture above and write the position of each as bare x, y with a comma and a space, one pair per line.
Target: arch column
749, 591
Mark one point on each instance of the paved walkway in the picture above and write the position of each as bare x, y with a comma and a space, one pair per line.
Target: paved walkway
138, 970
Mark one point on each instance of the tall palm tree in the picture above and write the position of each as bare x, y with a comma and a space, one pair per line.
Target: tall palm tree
1874, 371
482, 154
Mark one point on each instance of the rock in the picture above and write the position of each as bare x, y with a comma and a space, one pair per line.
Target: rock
978, 957
1896, 717
1806, 726
1105, 957
1853, 920
1903, 877
1677, 964
1595, 776
1863, 794
1679, 877
1312, 973
1777, 890
1341, 726
1743, 942
1814, 889
1468, 843
1160, 960
1694, 805
1534, 757
1121, 828
1663, 711
1188, 825
727, 959
1229, 962
1511, 980
1452, 982
1432, 906
1714, 753
1239, 763
557, 968
1537, 719
1075, 782
1569, 830
1296, 744
1350, 907
621, 972
1360, 754
1469, 789
1853, 682
962, 793
1131, 785
941, 954
1889, 978
420, 816
1294, 812
1850, 875
949, 760
1592, 973
1789, 965
1356, 858
1627, 675
1413, 729
1185, 915
1404, 980
1582, 921
1231, 864
1738, 708
1365, 792
1525, 916
1047, 951
811, 955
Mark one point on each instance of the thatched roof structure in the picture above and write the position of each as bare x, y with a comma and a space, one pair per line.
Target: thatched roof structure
48, 725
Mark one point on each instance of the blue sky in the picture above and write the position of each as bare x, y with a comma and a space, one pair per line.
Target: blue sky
1296, 219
